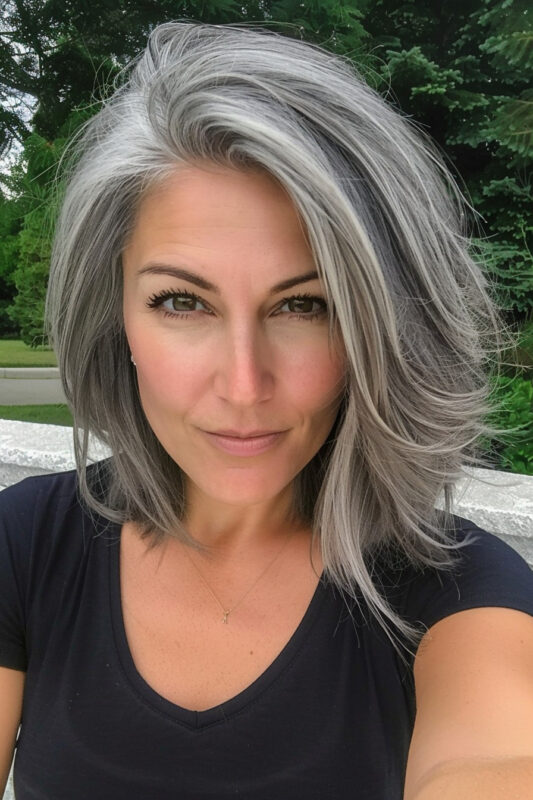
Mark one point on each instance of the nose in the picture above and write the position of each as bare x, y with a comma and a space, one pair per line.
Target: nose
244, 372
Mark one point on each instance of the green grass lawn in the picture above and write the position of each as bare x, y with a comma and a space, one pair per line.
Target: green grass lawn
14, 353
48, 414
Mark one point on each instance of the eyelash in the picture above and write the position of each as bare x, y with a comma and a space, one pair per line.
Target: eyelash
156, 300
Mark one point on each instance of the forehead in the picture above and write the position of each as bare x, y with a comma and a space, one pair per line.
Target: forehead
219, 216
199, 196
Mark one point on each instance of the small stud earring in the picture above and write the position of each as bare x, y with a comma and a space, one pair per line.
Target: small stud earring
133, 362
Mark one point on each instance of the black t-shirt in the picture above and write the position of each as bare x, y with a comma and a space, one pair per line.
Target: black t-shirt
331, 717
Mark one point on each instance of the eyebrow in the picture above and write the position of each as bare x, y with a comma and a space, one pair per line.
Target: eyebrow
192, 277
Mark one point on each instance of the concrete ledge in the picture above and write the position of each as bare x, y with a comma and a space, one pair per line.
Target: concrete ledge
29, 372
34, 449
499, 502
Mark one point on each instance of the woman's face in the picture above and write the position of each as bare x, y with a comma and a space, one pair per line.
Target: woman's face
241, 355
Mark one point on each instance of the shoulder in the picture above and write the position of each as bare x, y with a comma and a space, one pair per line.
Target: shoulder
41, 507
28, 489
46, 532
472, 669
44, 536
485, 571
473, 683
34, 499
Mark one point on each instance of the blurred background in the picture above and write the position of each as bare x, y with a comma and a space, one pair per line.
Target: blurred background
461, 70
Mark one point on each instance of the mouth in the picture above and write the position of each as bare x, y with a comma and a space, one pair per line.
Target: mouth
234, 434
244, 446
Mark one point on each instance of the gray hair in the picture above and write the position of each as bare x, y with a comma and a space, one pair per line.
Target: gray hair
387, 227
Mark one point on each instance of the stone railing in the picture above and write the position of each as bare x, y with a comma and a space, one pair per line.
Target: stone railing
499, 502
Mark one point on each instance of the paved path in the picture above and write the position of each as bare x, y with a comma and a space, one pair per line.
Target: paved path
30, 386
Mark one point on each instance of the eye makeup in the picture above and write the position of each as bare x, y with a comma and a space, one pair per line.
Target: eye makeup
157, 300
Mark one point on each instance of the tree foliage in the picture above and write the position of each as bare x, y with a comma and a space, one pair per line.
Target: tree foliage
461, 70
31, 277
10, 225
65, 53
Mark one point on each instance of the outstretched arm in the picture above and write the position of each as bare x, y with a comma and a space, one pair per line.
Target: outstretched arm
473, 733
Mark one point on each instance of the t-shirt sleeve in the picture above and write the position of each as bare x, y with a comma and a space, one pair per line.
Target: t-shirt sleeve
16, 512
489, 573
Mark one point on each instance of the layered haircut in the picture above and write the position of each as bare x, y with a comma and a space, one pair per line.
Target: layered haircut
387, 227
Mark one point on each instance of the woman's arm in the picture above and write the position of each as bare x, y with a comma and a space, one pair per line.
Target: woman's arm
490, 779
473, 733
11, 691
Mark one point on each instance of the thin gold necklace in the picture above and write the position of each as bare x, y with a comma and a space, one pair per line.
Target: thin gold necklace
225, 611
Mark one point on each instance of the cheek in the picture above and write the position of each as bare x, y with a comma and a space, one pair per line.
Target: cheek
318, 376
168, 380
166, 371
172, 373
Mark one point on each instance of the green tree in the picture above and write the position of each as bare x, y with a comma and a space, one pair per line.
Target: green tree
461, 70
64, 55
31, 277
10, 224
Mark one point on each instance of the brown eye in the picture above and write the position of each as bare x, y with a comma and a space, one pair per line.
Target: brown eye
303, 306
175, 304
181, 303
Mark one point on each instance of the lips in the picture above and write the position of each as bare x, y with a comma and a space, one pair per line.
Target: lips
242, 435
248, 446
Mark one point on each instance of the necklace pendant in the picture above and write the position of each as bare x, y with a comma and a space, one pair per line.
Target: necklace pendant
225, 620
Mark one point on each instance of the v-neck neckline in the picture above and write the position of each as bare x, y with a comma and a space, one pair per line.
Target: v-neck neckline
221, 712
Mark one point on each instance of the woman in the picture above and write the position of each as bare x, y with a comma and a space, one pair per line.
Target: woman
261, 299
